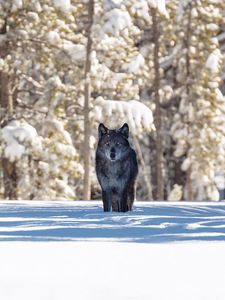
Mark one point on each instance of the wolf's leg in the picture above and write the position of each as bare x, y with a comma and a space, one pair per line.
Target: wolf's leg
123, 201
115, 201
107, 200
115, 205
131, 196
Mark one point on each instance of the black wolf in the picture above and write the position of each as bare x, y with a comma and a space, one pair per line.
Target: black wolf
116, 168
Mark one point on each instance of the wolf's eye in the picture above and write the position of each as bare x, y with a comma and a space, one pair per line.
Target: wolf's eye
107, 144
117, 144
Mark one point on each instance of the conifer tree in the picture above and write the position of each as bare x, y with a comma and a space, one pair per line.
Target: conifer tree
199, 122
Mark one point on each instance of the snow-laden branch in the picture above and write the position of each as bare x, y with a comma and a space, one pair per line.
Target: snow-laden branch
136, 114
213, 61
18, 137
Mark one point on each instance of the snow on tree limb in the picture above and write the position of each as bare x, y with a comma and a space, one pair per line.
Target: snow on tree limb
117, 20
137, 114
19, 137
213, 61
63, 5
176, 193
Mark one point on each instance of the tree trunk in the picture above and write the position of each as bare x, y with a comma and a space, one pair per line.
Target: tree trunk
158, 117
7, 109
9, 168
87, 95
143, 165
188, 74
152, 162
10, 179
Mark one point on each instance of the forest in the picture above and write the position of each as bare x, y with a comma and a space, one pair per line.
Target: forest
67, 65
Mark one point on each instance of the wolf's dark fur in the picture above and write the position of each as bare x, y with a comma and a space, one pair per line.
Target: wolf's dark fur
116, 168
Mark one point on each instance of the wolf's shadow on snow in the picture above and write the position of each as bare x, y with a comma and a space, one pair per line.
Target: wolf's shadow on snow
148, 223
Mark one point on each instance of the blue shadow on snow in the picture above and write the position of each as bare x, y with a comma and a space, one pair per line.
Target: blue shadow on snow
148, 223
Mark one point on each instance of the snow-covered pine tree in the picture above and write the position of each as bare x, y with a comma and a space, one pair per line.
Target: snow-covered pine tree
118, 69
173, 175
200, 121
42, 41
148, 17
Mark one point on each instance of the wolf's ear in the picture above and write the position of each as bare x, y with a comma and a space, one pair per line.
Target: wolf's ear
125, 130
102, 130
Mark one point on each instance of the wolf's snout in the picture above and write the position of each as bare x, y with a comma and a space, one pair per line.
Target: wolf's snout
113, 153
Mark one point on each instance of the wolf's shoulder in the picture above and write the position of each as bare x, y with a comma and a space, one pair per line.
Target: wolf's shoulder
133, 160
133, 153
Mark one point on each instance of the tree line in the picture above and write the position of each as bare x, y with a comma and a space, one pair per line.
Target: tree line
67, 65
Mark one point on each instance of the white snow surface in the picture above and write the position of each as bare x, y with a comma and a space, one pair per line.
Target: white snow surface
73, 250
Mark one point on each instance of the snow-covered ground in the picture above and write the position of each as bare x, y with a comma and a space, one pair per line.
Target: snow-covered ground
72, 250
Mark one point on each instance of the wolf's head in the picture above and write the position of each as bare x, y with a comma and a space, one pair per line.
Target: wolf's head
113, 143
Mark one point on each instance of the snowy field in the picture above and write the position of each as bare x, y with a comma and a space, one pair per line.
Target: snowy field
72, 250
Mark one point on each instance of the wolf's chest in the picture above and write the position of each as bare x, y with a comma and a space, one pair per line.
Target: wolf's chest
113, 174
115, 182
116, 170
117, 174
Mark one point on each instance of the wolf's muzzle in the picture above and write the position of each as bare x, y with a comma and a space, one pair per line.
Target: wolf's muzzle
113, 153
112, 156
